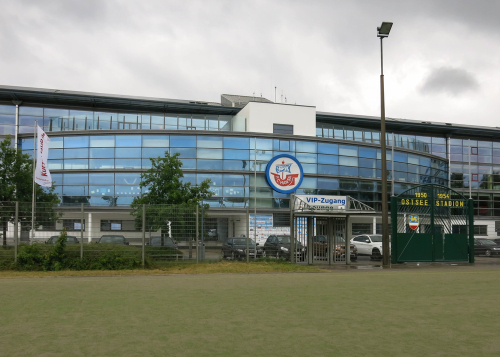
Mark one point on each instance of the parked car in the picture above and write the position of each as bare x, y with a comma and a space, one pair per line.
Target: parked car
488, 247
279, 246
69, 240
369, 244
235, 248
155, 241
320, 247
113, 239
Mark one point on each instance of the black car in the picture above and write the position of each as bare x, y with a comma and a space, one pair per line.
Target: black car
483, 246
113, 239
236, 248
155, 241
69, 240
279, 246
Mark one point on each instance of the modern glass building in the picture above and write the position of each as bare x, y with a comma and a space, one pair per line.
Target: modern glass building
101, 143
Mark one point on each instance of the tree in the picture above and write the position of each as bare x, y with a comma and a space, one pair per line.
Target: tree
16, 184
168, 198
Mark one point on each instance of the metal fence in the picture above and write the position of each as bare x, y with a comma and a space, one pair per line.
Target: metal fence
157, 232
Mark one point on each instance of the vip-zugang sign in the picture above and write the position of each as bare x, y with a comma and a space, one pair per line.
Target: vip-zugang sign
284, 173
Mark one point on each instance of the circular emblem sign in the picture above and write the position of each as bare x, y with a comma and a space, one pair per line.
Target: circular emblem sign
284, 173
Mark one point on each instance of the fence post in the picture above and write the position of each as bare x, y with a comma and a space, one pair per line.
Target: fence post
143, 231
248, 234
16, 233
81, 234
197, 246
292, 239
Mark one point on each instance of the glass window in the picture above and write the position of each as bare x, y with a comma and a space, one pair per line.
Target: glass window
236, 143
264, 144
235, 180
102, 190
185, 153
348, 171
306, 146
128, 140
102, 153
146, 164
102, 141
191, 178
209, 164
128, 190
237, 164
75, 190
328, 170
76, 179
328, 183
284, 145
101, 178
76, 164
209, 154
55, 164
348, 150
23, 110
76, 153
326, 148
7, 119
155, 141
129, 178
368, 163
128, 152
309, 182
348, 161
400, 157
145, 121
157, 122
56, 154
76, 142
56, 113
310, 168
306, 158
127, 163
209, 142
238, 154
367, 152
328, 159
216, 179
102, 163
183, 141
154, 152
188, 163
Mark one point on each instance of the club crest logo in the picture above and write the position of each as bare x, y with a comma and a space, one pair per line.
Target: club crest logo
284, 173
413, 221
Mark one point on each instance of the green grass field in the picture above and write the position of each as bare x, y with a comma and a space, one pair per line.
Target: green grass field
361, 313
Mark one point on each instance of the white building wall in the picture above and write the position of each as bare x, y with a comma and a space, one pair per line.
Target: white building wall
261, 117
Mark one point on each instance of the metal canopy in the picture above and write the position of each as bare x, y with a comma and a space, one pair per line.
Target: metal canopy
300, 205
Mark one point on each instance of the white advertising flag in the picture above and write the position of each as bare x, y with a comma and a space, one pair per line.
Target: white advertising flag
42, 174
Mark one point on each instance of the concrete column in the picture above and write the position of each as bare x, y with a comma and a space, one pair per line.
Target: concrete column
89, 228
374, 231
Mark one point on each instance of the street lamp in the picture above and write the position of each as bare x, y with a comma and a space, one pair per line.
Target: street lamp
382, 32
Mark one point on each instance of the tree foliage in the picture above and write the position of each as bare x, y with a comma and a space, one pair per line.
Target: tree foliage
168, 197
16, 184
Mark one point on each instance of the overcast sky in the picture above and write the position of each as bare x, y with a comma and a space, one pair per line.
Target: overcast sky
441, 61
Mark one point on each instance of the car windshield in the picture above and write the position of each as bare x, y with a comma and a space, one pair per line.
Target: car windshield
376, 238
487, 242
283, 239
111, 239
243, 241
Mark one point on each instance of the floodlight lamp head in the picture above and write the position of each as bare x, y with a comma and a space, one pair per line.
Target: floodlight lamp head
384, 29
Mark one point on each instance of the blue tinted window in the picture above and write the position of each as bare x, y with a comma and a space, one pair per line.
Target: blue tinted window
370, 163
75, 190
326, 148
348, 161
209, 142
209, 164
234, 192
128, 140
155, 140
102, 141
305, 146
128, 152
328, 184
235, 180
191, 178
56, 154
328, 170
7, 119
367, 152
185, 153
310, 168
146, 164
28, 111
102, 164
237, 154
183, 141
76, 179
129, 178
127, 163
284, 145
58, 113
103, 190
209, 154
76, 164
264, 155
216, 191
237, 164
348, 150
76, 153
400, 157
309, 182
57, 179
102, 153
154, 152
264, 144
398, 166
128, 190
55, 164
188, 163
216, 179
76, 142
348, 171
236, 143
363, 172
306, 158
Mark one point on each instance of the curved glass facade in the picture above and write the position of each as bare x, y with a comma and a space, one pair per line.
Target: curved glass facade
105, 169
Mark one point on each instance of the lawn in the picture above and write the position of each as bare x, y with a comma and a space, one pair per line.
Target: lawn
359, 313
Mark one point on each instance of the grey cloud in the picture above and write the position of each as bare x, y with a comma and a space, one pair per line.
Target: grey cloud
454, 81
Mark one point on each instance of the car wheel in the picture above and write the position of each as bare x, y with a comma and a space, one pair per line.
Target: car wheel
487, 253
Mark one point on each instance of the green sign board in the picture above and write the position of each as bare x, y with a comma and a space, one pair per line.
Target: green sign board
432, 223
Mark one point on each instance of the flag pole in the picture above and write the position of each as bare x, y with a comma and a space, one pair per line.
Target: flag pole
33, 201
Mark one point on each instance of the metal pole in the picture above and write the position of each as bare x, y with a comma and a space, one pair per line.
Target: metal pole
392, 165
292, 239
248, 235
16, 228
385, 225
470, 176
16, 129
81, 234
33, 193
255, 192
197, 246
143, 231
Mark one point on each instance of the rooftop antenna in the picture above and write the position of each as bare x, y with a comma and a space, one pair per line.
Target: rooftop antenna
275, 94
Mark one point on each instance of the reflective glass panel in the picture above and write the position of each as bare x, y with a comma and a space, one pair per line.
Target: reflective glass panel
182, 141
127, 163
102, 153
102, 163
76, 141
128, 140
129, 178
128, 152
155, 140
209, 142
216, 179
76, 179
236, 143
